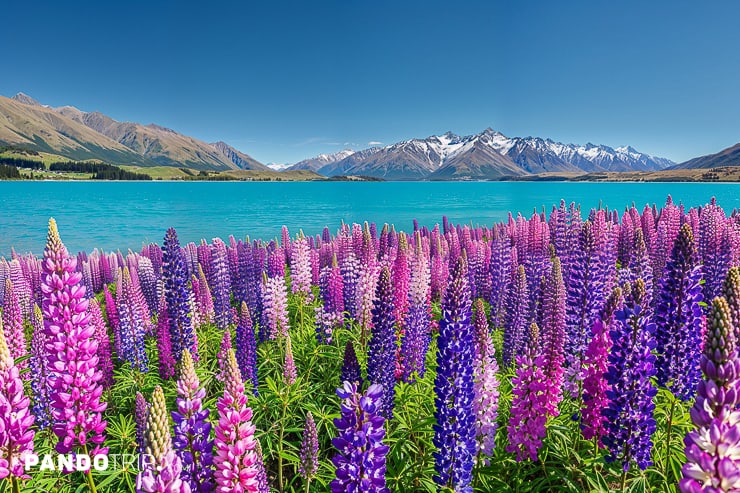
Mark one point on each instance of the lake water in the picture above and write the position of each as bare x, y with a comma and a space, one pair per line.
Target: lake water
123, 215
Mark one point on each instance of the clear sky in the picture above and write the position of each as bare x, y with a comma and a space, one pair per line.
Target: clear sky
287, 80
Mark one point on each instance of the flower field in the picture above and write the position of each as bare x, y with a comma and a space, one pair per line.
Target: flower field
580, 351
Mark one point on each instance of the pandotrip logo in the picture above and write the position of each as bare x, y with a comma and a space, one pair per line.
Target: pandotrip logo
83, 462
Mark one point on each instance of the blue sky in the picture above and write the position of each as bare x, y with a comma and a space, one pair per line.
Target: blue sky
287, 80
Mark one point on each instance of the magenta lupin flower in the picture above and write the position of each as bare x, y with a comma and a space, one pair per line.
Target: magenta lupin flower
16, 434
164, 344
72, 349
553, 337
235, 459
13, 325
528, 414
111, 311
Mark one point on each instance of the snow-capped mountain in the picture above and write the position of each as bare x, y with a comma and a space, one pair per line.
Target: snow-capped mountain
486, 155
321, 160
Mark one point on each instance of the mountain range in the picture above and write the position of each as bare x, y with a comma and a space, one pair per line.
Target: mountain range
69, 132
486, 155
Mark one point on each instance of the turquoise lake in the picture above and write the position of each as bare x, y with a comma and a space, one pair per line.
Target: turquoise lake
123, 215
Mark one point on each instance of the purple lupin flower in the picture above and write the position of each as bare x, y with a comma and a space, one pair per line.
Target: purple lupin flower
713, 448
485, 368
454, 432
300, 269
274, 307
71, 352
246, 348
416, 338
105, 361
141, 413
289, 370
596, 364
175, 278
16, 434
679, 319
40, 371
553, 336
148, 282
161, 472
166, 364
528, 413
714, 248
629, 417
191, 439
501, 270
221, 283
361, 455
517, 316
351, 371
731, 293
235, 459
309, 463
381, 352
112, 313
204, 298
131, 324
261, 477
330, 315
13, 325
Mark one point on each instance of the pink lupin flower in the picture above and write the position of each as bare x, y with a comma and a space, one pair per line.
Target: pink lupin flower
105, 362
72, 349
13, 325
235, 458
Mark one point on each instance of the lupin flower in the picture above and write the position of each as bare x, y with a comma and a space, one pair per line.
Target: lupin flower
162, 467
246, 348
300, 269
261, 477
131, 324
713, 448
309, 464
74, 378
39, 365
401, 280
629, 417
528, 414
731, 293
417, 335
517, 317
485, 368
141, 413
175, 278
191, 440
235, 458
553, 336
166, 364
381, 357
274, 307
16, 434
679, 319
289, 370
351, 371
330, 314
13, 325
361, 455
112, 313
596, 364
204, 299
454, 433
221, 283
223, 354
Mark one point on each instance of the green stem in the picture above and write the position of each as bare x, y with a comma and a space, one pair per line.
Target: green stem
624, 480
88, 474
308, 485
668, 435
280, 448
15, 487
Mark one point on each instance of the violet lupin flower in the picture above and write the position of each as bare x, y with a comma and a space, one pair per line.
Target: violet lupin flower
131, 324
713, 448
361, 455
235, 459
381, 357
13, 326
221, 283
528, 414
246, 348
517, 317
161, 472
553, 336
164, 345
309, 464
141, 413
275, 307
485, 368
16, 434
351, 371
679, 319
191, 439
39, 365
330, 315
629, 417
454, 432
71, 351
175, 278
